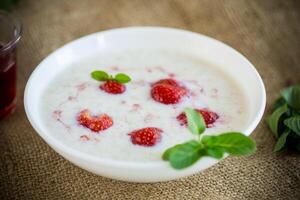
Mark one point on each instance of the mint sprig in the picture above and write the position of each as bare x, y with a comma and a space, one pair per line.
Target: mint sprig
284, 122
292, 97
273, 120
103, 76
186, 154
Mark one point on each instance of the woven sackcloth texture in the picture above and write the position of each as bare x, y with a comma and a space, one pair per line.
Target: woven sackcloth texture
267, 32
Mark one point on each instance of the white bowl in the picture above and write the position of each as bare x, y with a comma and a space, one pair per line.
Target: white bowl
207, 49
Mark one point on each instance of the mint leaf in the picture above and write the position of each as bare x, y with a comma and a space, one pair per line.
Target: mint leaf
166, 154
273, 120
185, 154
103, 76
196, 123
278, 103
233, 143
292, 96
281, 141
294, 124
215, 152
100, 75
122, 78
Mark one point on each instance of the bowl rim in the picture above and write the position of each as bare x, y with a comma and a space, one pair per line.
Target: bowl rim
123, 163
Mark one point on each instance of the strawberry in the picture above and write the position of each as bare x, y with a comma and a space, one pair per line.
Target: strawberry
208, 116
113, 87
168, 91
167, 94
94, 123
146, 136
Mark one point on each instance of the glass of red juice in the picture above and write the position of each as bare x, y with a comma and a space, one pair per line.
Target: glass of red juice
10, 34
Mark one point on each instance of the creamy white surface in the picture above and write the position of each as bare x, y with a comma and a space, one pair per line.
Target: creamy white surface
211, 89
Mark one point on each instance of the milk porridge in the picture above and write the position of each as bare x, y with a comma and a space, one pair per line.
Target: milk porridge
72, 91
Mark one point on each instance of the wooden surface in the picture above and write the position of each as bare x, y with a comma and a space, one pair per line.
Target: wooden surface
267, 32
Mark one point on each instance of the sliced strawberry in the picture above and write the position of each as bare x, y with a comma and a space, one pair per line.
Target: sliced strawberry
168, 91
113, 87
146, 136
94, 123
208, 116
167, 94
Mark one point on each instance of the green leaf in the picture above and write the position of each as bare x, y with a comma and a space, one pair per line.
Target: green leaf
281, 141
278, 103
196, 123
185, 154
273, 120
100, 75
233, 143
294, 124
292, 96
122, 78
166, 154
215, 152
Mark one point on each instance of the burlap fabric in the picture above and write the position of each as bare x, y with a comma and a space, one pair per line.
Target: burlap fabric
267, 32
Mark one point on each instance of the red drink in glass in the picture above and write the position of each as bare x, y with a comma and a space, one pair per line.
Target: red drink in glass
10, 33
